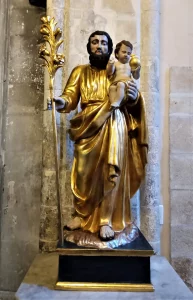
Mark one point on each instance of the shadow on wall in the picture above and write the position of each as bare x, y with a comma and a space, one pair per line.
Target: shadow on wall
40, 3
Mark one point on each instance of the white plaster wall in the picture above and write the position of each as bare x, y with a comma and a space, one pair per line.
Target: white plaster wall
121, 22
176, 49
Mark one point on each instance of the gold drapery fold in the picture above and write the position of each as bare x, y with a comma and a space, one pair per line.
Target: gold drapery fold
110, 151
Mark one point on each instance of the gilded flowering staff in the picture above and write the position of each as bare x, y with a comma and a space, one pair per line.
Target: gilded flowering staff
53, 61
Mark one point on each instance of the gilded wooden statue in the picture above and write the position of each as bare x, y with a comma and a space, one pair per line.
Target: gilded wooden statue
110, 142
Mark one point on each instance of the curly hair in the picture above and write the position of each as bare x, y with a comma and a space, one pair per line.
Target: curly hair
118, 46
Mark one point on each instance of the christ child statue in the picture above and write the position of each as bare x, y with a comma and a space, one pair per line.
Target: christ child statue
124, 70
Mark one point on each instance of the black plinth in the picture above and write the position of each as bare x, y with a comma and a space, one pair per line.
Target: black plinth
126, 268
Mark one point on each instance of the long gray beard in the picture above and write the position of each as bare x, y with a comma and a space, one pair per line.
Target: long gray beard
99, 61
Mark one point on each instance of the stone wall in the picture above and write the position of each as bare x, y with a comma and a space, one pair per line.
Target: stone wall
150, 88
22, 141
3, 95
181, 171
23, 134
3, 83
176, 44
22, 115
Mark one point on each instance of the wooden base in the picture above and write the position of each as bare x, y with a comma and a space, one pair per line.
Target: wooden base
126, 268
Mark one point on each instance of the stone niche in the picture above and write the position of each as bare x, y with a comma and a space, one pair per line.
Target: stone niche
28, 172
78, 20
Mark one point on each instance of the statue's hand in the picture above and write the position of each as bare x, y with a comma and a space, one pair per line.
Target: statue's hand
132, 91
60, 103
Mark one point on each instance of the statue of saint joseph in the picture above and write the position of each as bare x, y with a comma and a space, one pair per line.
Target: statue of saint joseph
110, 144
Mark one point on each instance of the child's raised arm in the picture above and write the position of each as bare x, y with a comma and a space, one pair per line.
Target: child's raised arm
111, 66
136, 72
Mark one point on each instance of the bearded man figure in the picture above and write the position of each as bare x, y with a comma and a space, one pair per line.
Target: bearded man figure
110, 144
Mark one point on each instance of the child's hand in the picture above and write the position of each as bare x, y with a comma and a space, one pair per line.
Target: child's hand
136, 72
112, 59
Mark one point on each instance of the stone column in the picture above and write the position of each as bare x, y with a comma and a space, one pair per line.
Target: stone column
3, 76
4, 29
21, 98
150, 193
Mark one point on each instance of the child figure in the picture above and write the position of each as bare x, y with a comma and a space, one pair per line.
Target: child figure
124, 69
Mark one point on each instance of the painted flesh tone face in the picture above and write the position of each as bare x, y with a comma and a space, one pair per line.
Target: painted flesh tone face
99, 44
124, 54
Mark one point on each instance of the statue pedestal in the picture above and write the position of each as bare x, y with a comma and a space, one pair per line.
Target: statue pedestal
40, 280
126, 268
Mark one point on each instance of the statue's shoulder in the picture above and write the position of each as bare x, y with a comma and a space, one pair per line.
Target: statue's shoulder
77, 72
80, 68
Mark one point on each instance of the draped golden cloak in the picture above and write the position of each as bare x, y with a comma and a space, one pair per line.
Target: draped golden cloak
110, 150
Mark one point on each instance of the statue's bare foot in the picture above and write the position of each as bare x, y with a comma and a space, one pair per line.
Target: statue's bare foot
74, 224
106, 233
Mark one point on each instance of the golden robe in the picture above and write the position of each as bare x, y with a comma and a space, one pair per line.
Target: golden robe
110, 150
